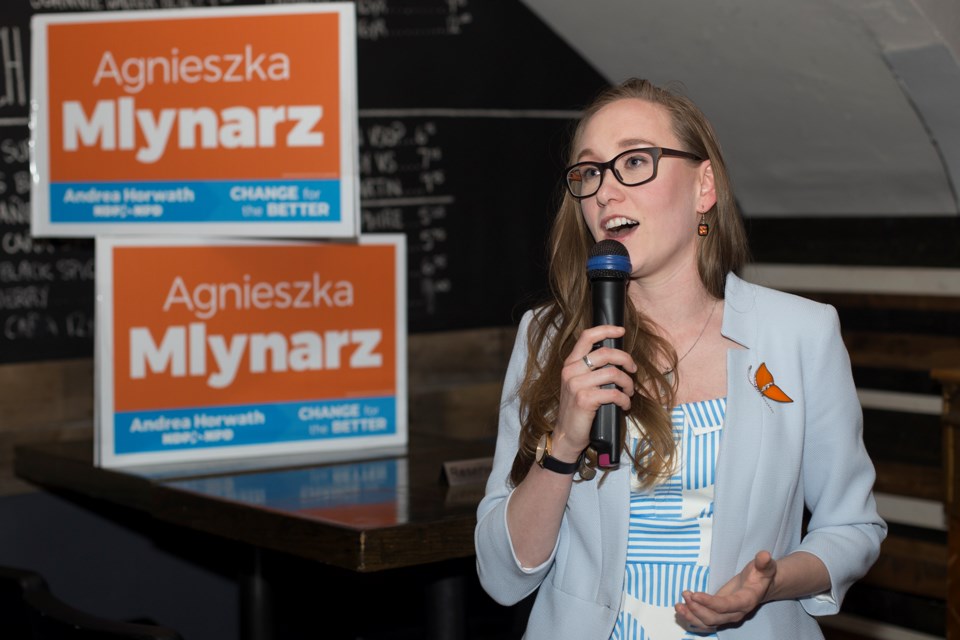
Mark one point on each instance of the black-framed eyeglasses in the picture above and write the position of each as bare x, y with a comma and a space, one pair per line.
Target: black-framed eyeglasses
631, 168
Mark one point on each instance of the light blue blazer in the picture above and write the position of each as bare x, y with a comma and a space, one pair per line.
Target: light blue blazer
774, 459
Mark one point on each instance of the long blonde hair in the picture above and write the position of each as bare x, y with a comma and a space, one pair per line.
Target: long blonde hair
557, 324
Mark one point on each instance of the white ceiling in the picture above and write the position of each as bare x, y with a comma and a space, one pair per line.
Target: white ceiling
823, 107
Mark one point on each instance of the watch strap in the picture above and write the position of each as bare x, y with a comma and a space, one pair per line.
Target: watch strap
550, 463
558, 466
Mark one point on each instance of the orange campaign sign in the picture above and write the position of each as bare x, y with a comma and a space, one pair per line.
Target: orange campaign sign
230, 348
238, 121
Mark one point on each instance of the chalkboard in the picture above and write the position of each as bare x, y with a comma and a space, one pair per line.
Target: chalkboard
465, 109
46, 286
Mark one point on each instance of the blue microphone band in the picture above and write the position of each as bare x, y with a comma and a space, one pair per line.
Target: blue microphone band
609, 262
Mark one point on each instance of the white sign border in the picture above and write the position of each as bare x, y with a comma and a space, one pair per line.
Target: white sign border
349, 225
104, 455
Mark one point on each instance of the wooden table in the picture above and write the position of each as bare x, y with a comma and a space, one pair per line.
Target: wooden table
376, 511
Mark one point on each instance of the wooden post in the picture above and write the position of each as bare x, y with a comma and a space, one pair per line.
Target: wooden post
950, 379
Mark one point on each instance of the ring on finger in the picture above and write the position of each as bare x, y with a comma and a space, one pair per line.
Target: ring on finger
586, 361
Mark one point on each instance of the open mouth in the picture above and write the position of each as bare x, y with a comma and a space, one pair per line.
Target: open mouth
619, 226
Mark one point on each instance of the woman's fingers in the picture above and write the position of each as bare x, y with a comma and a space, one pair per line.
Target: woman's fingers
690, 620
591, 378
590, 398
578, 378
591, 337
605, 356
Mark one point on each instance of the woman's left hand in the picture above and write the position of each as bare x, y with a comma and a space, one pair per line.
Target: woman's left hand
735, 600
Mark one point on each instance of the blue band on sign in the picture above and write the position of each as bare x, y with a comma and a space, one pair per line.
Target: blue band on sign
196, 201
199, 427
609, 263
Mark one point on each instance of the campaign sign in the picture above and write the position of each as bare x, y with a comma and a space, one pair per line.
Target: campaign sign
211, 348
236, 122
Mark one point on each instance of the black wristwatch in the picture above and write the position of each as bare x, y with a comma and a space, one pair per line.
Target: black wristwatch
545, 460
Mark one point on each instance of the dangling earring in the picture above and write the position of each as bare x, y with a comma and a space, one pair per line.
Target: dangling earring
703, 229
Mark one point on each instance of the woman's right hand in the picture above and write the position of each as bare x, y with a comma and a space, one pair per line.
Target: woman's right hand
536, 507
581, 393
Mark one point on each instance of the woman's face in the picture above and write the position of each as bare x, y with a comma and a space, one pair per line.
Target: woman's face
656, 221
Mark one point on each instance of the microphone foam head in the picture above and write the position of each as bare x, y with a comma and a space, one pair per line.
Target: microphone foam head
609, 259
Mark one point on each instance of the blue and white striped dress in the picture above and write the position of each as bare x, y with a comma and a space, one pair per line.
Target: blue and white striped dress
668, 549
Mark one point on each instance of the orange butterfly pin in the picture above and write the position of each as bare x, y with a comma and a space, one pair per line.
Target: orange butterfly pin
763, 382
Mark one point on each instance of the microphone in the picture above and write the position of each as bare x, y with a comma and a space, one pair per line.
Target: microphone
608, 268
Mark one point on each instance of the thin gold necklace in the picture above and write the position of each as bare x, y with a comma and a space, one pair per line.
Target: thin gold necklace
669, 372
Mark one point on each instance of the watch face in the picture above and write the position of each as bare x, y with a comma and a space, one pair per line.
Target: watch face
541, 448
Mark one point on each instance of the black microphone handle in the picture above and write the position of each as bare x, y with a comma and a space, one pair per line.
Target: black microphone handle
605, 434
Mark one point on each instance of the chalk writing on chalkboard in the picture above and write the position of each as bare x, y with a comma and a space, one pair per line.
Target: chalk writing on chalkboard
403, 188
46, 286
379, 19
13, 91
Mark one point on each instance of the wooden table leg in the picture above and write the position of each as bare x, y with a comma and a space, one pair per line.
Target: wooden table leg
446, 608
256, 601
